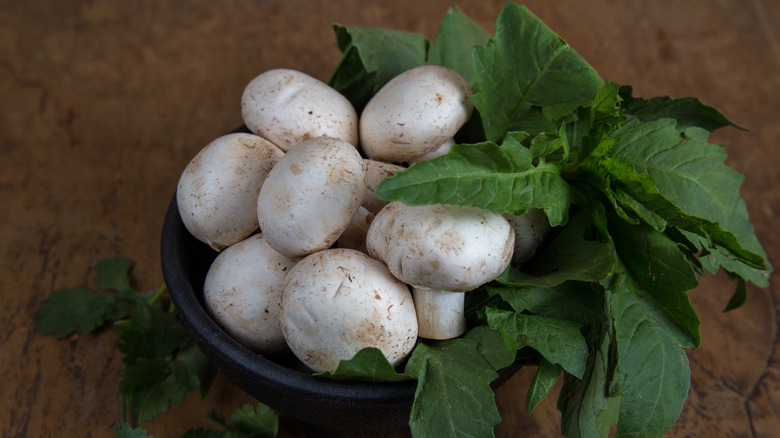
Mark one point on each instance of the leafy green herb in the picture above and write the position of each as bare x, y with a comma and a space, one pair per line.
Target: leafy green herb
544, 379
368, 364
160, 364
529, 78
503, 179
454, 396
641, 204
455, 43
245, 422
688, 111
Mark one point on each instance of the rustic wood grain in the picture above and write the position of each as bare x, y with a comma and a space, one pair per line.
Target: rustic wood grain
102, 104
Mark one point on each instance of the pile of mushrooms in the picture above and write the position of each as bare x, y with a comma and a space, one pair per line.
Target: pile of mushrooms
310, 259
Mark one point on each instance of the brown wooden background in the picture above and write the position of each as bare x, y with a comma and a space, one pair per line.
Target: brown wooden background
102, 103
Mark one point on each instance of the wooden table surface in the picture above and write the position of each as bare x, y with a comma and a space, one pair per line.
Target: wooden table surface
102, 104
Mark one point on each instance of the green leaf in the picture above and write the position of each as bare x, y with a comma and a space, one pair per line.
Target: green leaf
383, 54
693, 176
149, 387
368, 364
502, 179
114, 274
687, 111
649, 354
663, 176
249, 421
453, 396
558, 340
569, 256
739, 298
455, 42
573, 301
587, 407
544, 379
662, 271
124, 430
72, 310
351, 79
528, 76
151, 333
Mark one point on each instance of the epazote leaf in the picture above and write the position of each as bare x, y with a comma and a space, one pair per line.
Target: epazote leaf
693, 176
649, 354
454, 378
664, 176
544, 379
368, 364
572, 300
455, 42
687, 111
658, 266
588, 409
528, 77
502, 179
557, 340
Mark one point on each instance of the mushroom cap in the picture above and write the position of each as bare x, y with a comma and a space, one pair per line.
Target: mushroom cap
442, 247
311, 195
414, 113
376, 171
531, 228
287, 106
217, 191
243, 292
339, 301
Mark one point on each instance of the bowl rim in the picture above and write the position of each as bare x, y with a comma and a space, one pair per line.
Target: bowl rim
236, 358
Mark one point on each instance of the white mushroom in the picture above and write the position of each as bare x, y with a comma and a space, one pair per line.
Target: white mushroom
414, 113
217, 191
287, 106
243, 292
443, 249
440, 313
531, 228
310, 196
438, 152
376, 171
354, 236
340, 301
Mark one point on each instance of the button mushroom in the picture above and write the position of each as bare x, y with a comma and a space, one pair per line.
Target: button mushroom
217, 191
414, 114
243, 291
376, 171
287, 106
440, 249
311, 195
531, 228
339, 301
438, 152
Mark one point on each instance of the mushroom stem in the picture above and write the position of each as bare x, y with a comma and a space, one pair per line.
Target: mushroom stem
440, 314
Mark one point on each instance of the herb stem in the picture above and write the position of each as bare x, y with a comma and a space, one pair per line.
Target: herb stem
157, 295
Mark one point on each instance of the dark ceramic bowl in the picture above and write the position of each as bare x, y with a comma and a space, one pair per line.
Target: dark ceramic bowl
324, 403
